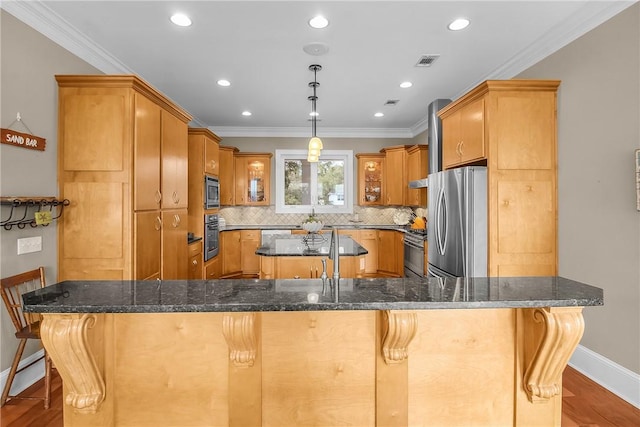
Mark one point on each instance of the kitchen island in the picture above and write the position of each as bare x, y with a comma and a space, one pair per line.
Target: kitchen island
299, 256
393, 352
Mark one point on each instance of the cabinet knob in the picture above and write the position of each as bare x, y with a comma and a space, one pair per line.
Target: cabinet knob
175, 197
158, 196
158, 224
194, 262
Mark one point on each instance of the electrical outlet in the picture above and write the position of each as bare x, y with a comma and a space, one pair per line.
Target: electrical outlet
29, 244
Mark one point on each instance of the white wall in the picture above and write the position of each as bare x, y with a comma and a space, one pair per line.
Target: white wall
29, 62
598, 132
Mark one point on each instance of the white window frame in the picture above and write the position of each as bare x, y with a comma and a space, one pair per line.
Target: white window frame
344, 155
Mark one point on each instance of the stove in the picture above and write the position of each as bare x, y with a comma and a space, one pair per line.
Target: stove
414, 239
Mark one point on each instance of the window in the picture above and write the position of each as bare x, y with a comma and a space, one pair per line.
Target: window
325, 186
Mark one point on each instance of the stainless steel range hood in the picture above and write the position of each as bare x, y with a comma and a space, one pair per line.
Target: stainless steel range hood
434, 139
419, 183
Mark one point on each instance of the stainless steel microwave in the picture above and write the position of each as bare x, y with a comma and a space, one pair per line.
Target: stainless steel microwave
211, 192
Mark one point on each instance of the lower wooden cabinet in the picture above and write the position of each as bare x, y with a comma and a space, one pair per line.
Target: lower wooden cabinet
390, 253
308, 267
369, 241
147, 245
195, 260
231, 254
212, 268
249, 243
174, 244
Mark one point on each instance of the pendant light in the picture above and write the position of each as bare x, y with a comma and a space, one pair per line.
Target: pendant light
315, 143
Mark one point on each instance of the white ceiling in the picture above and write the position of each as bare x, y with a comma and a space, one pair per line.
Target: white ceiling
257, 45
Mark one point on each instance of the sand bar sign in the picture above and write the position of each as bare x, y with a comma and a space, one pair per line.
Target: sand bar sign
24, 140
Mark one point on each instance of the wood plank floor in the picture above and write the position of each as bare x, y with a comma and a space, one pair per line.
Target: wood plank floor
584, 404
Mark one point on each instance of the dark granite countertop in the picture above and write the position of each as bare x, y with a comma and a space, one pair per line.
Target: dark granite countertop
351, 225
307, 245
293, 295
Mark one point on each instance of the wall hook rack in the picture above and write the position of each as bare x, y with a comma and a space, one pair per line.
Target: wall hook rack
32, 211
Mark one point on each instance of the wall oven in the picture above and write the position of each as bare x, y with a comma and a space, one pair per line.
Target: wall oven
211, 236
414, 253
211, 192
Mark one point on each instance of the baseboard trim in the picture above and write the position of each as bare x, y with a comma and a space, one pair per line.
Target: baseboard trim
617, 379
26, 378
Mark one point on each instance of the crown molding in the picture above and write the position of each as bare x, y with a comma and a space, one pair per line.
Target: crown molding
300, 132
48, 23
586, 19
44, 20
420, 127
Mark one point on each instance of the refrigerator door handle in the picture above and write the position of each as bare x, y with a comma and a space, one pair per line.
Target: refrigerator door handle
441, 222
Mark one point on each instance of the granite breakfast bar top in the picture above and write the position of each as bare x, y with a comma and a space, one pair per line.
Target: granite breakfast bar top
244, 295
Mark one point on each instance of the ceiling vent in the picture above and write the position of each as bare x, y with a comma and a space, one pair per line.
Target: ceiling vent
392, 102
427, 60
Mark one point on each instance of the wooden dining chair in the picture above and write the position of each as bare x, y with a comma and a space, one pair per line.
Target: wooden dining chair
27, 327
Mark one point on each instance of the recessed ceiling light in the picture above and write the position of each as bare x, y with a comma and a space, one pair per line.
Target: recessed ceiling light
379, 114
318, 22
459, 24
246, 113
405, 85
223, 82
181, 20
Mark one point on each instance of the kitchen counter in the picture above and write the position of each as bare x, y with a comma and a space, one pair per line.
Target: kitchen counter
291, 295
307, 245
369, 352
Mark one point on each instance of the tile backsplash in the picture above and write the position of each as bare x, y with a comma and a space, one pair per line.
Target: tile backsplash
253, 215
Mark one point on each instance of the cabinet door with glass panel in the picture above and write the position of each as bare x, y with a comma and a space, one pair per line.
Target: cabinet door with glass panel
370, 188
253, 178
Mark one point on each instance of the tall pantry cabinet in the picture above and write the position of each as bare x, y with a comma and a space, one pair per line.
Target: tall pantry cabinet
510, 126
122, 162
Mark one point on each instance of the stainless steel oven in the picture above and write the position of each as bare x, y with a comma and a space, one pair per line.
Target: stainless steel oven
211, 236
211, 192
414, 253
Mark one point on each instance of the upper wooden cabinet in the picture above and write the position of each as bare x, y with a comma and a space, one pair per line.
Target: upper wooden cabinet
463, 133
175, 161
252, 178
396, 183
227, 175
204, 146
511, 125
370, 179
121, 153
417, 168
211, 154
146, 153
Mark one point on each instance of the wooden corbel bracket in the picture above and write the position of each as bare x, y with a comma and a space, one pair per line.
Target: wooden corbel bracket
398, 329
562, 330
239, 331
64, 336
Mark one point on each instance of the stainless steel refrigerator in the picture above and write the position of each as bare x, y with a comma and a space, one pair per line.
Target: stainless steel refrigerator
457, 226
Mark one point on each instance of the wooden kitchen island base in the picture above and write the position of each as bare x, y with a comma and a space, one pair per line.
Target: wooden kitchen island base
485, 367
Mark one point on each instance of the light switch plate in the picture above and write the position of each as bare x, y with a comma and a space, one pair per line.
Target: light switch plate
29, 244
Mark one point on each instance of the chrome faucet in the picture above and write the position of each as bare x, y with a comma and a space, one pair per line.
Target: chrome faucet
334, 254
